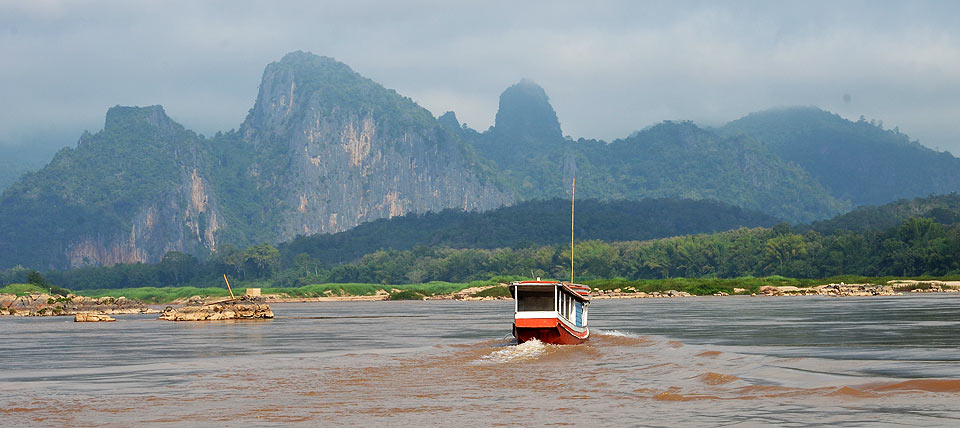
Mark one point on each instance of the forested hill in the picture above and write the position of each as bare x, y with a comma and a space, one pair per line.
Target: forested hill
668, 160
860, 162
943, 209
680, 159
15, 161
528, 223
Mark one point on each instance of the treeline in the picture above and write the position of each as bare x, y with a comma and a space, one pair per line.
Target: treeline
919, 246
525, 224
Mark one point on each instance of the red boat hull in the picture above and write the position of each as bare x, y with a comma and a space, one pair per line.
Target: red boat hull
547, 330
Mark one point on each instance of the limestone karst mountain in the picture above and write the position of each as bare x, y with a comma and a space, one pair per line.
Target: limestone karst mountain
322, 150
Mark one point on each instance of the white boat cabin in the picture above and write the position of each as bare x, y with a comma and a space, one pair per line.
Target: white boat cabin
550, 299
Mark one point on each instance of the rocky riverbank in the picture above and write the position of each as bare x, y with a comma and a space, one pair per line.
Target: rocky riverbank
892, 288
42, 304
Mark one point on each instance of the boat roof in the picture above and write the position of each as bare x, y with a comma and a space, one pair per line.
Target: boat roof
579, 290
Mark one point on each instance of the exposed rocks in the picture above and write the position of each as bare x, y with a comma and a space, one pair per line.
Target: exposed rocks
836, 290
91, 317
42, 304
618, 293
934, 286
230, 309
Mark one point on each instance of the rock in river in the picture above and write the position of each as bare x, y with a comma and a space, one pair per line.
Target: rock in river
230, 309
92, 317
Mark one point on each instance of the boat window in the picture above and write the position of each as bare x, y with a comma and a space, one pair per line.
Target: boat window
563, 304
535, 299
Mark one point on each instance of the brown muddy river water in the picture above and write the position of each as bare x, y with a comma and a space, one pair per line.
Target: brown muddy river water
734, 361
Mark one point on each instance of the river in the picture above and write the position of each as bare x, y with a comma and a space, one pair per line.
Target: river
705, 361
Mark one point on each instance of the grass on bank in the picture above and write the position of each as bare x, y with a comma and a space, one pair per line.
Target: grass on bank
23, 289
406, 291
695, 286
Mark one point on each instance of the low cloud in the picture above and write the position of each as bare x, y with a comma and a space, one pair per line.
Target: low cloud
609, 68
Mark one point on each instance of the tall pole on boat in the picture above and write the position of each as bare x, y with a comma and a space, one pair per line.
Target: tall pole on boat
573, 202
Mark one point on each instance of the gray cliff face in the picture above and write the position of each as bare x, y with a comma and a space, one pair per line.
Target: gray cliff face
180, 211
185, 219
357, 161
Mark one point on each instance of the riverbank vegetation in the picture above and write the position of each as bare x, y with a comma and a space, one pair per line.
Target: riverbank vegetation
917, 247
490, 288
745, 257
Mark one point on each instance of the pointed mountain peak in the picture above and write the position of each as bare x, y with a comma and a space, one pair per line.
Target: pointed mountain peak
525, 110
294, 89
449, 121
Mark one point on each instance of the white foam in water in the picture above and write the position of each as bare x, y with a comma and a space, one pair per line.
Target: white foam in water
617, 333
527, 350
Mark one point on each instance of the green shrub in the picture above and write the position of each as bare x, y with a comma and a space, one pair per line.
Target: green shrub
406, 295
497, 291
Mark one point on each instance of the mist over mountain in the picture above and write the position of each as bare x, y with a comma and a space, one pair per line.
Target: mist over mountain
858, 161
325, 149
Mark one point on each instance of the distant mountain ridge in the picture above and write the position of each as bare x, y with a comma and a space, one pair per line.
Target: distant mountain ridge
943, 209
325, 149
671, 159
859, 161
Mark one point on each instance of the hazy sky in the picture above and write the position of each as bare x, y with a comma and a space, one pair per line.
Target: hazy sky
609, 67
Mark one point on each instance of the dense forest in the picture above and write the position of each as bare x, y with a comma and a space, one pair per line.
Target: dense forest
917, 246
526, 224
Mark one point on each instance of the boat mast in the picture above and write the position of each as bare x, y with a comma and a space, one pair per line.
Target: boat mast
573, 201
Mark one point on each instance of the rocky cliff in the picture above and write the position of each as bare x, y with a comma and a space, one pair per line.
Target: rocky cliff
322, 150
356, 151
126, 194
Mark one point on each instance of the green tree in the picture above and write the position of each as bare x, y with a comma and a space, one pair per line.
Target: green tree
782, 250
265, 258
178, 267
36, 278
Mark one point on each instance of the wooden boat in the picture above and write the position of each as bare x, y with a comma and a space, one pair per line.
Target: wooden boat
550, 311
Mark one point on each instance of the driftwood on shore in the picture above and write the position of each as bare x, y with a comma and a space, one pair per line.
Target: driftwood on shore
196, 309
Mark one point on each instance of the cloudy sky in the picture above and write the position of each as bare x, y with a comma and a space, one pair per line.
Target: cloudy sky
609, 67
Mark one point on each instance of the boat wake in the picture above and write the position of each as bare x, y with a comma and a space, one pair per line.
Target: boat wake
530, 349
615, 333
